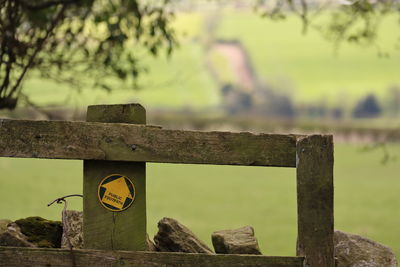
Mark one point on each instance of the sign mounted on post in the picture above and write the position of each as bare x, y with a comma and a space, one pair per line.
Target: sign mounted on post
116, 192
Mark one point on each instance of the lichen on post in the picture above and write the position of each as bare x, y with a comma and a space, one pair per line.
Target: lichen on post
103, 228
314, 168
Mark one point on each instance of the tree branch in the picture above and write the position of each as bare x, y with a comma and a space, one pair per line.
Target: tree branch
37, 50
47, 4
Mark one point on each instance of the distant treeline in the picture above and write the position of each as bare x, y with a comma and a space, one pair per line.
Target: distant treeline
272, 104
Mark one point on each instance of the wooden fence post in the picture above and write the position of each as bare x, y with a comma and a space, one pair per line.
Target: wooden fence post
314, 167
103, 228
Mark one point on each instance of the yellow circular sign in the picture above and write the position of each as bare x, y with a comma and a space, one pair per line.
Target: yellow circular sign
116, 192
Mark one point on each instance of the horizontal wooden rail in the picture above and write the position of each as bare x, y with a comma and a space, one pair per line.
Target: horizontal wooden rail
125, 142
59, 257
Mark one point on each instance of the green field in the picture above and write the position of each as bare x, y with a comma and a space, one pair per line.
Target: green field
304, 66
209, 198
307, 66
179, 81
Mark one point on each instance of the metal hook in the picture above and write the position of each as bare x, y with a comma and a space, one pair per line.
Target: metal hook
65, 227
63, 199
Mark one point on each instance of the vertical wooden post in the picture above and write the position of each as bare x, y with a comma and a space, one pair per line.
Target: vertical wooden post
102, 228
314, 163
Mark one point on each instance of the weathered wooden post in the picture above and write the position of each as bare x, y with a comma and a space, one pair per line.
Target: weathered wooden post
114, 192
314, 167
114, 186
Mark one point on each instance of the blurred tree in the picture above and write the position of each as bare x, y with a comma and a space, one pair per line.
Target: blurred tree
393, 100
367, 107
337, 113
85, 41
78, 40
354, 21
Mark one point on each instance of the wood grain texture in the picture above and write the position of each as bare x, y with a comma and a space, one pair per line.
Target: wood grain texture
124, 142
12, 257
125, 113
104, 229
315, 200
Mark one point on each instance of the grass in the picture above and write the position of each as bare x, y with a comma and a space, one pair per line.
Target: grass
307, 65
186, 84
209, 198
177, 81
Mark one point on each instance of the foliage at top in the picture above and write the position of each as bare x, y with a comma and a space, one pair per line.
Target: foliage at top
354, 21
92, 41
66, 40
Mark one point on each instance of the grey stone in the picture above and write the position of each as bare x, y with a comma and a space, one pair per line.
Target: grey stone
172, 236
72, 235
11, 235
3, 224
73, 231
236, 241
150, 244
356, 251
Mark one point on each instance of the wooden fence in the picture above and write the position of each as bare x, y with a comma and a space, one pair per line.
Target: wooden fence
116, 140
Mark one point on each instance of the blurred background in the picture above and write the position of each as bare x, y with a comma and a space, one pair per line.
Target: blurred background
242, 66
